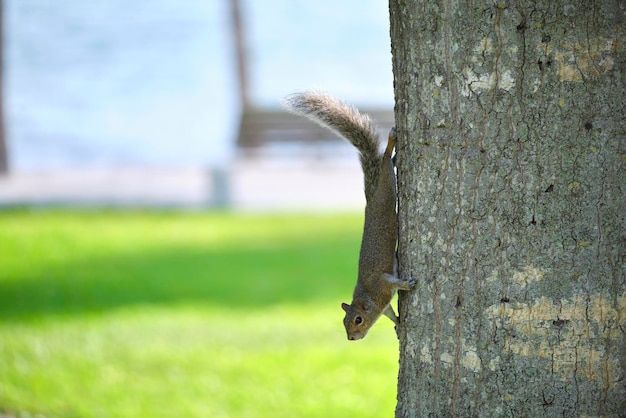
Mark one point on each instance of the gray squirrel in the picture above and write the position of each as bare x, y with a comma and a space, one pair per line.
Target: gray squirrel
377, 281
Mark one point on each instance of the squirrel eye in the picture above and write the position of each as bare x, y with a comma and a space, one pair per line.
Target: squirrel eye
358, 320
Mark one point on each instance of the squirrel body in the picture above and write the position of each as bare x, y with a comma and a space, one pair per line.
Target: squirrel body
376, 281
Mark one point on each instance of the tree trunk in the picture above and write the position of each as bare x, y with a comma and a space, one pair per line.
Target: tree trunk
511, 152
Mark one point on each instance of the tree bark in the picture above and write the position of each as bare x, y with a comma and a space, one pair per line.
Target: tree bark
511, 150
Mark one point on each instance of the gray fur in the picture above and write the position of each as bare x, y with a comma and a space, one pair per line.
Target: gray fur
346, 121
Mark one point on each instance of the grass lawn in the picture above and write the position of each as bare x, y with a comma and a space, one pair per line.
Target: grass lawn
169, 314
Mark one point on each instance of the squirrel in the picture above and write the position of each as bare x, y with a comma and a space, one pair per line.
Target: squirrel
377, 281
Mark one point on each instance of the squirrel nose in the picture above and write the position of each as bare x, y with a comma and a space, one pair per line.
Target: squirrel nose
351, 337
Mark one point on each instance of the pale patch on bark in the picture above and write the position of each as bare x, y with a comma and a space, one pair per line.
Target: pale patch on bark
469, 357
529, 275
471, 361
474, 83
522, 278
580, 60
576, 322
484, 47
477, 80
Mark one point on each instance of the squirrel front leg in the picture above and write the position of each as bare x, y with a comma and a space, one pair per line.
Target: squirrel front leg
398, 284
391, 314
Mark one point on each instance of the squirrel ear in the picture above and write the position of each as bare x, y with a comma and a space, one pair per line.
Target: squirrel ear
345, 306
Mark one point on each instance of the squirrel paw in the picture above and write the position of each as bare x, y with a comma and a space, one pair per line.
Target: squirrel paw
412, 282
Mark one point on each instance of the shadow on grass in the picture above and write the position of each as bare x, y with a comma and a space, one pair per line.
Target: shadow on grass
233, 278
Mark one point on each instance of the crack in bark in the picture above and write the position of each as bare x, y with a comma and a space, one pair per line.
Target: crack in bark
459, 316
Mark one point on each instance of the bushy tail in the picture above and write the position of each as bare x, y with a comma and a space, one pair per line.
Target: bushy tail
347, 122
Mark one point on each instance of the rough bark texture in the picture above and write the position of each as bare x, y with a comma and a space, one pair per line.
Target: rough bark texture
511, 119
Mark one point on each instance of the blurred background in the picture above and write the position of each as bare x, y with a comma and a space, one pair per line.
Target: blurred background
158, 102
115, 299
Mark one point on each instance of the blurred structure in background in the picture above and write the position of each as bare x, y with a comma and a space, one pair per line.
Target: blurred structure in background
4, 153
288, 162
111, 103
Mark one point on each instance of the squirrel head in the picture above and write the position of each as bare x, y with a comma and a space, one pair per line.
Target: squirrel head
359, 318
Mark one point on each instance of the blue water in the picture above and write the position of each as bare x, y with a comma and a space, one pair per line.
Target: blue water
151, 82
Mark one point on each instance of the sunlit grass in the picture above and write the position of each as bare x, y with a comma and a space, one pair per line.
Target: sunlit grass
129, 314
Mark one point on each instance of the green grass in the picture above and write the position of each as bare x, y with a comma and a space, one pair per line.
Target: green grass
144, 314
